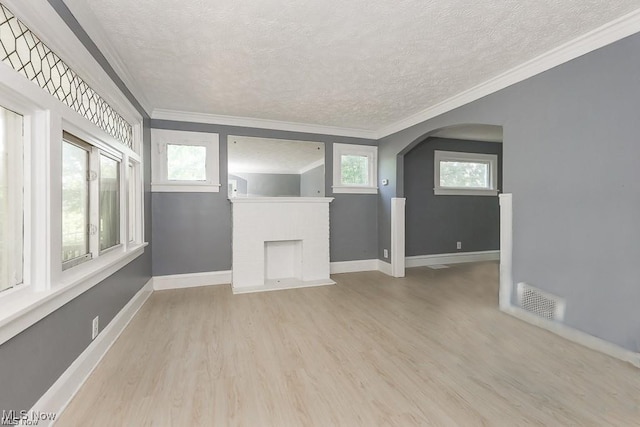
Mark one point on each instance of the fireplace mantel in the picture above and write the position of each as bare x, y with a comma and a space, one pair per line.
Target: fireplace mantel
280, 243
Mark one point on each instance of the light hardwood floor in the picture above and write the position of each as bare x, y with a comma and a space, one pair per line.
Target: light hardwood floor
430, 349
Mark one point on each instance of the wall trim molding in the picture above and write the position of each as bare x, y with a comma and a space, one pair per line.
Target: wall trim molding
339, 267
604, 35
95, 31
216, 119
54, 32
385, 267
576, 336
67, 385
191, 280
453, 258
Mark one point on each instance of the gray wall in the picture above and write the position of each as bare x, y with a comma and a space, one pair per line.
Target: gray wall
312, 182
272, 184
435, 223
354, 233
34, 359
570, 157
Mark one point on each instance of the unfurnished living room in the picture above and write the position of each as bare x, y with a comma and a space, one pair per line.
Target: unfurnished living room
319, 213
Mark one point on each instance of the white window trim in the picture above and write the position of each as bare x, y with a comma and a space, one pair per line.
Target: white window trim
160, 138
369, 151
45, 286
454, 156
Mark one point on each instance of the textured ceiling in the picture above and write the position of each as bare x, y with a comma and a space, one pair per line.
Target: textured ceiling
360, 64
265, 155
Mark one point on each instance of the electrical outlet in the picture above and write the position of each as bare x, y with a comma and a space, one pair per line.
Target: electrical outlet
94, 327
385, 253
459, 245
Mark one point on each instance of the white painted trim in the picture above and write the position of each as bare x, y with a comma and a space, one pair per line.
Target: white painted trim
491, 160
191, 280
575, 335
368, 151
453, 258
397, 236
281, 199
40, 16
68, 384
215, 119
161, 139
294, 284
601, 36
506, 249
385, 267
22, 310
339, 267
94, 29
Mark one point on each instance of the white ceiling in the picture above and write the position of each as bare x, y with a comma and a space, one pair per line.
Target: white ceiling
266, 155
360, 64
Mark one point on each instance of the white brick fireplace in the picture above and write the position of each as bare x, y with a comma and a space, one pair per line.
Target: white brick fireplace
280, 243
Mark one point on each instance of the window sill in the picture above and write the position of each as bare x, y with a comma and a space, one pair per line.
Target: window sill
355, 190
24, 307
185, 188
463, 192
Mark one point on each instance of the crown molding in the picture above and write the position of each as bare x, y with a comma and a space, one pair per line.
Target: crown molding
214, 119
40, 17
606, 34
600, 37
94, 29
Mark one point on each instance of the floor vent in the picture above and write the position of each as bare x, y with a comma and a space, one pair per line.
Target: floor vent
437, 266
540, 303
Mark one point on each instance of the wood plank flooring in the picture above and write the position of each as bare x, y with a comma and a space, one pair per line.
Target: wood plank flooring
429, 349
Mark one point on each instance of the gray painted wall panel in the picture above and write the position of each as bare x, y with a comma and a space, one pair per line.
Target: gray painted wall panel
570, 152
435, 223
192, 232
312, 182
353, 227
353, 220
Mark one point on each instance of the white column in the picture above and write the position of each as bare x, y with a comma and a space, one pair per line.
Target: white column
397, 236
506, 250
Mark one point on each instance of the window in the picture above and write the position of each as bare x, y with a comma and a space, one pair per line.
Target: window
355, 168
131, 202
109, 202
469, 174
91, 222
11, 199
185, 161
64, 209
75, 202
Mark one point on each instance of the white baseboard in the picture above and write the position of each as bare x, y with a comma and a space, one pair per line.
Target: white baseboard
280, 285
385, 267
454, 258
62, 391
191, 280
576, 336
354, 266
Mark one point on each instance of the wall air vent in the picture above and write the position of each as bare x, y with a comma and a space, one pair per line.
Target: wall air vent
540, 303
